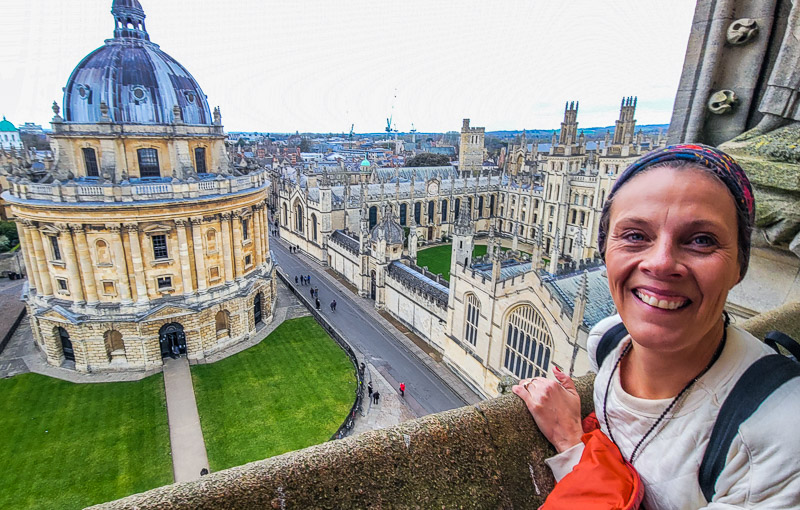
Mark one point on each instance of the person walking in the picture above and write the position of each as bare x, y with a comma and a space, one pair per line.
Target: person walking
311, 291
317, 303
295, 280
369, 390
333, 305
375, 397
402, 389
316, 291
309, 279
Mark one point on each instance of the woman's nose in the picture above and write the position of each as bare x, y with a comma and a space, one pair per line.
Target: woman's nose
662, 260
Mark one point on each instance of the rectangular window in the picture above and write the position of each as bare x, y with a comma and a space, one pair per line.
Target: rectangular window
245, 229
90, 160
108, 288
164, 282
200, 160
160, 247
552, 211
148, 163
248, 260
213, 273
56, 250
583, 218
62, 284
549, 226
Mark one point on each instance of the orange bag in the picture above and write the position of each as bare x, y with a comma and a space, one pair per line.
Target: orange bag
602, 480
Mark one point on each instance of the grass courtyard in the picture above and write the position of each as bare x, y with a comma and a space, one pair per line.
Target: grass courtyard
438, 258
290, 391
68, 445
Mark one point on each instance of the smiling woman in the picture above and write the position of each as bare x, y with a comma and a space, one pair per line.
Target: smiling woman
675, 235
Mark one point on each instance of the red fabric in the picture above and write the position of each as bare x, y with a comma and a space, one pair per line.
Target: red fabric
590, 423
602, 480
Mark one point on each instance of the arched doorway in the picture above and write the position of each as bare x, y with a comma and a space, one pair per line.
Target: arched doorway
66, 344
372, 285
257, 309
170, 336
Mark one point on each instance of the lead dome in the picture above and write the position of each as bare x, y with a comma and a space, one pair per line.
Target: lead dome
139, 83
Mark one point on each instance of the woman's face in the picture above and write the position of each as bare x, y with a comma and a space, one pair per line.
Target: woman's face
671, 256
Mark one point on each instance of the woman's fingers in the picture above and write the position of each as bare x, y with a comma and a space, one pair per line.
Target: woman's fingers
565, 380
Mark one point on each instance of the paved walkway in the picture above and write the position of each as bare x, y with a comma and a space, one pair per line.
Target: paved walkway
185, 435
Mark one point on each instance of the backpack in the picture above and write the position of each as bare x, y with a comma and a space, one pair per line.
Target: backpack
754, 386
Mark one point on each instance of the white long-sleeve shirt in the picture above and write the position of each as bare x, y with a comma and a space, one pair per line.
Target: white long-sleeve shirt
763, 463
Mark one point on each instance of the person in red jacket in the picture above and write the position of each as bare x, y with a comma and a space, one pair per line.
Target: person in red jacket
402, 389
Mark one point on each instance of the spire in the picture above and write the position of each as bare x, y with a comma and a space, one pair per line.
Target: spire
463, 224
129, 20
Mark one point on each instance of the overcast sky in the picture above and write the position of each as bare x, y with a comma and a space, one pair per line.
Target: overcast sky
322, 65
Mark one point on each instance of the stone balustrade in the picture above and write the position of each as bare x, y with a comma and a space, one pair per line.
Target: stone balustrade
489, 455
85, 191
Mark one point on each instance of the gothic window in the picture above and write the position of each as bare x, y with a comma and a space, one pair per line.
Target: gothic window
583, 218
552, 211
585, 198
480, 207
458, 208
523, 216
491, 205
285, 215
417, 212
103, 255
444, 210
200, 160
56, 249
298, 220
373, 217
160, 246
148, 163
575, 199
602, 197
431, 211
245, 229
528, 343
471, 322
314, 227
574, 215
403, 214
549, 226
90, 160
211, 240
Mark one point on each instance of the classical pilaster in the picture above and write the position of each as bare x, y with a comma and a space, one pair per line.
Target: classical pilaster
27, 253
265, 231
226, 246
199, 254
257, 235
71, 261
137, 260
183, 253
238, 257
41, 263
122, 266
85, 262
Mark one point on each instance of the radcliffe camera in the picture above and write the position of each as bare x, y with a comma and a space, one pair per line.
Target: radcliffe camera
516, 254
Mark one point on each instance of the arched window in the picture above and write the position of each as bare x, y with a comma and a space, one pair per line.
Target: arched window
457, 211
148, 163
314, 227
403, 214
473, 314
491, 205
113, 341
373, 217
211, 240
298, 220
222, 320
417, 212
602, 197
528, 343
431, 211
480, 207
103, 253
444, 210
285, 215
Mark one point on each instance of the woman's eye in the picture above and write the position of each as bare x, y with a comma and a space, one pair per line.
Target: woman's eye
703, 240
633, 236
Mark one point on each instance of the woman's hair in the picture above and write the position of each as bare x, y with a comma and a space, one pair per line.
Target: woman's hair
699, 157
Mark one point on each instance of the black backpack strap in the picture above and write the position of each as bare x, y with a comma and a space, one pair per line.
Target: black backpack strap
776, 338
609, 342
755, 385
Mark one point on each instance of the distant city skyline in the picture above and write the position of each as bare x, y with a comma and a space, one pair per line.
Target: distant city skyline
316, 66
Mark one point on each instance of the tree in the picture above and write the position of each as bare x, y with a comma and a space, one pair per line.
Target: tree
305, 145
428, 159
8, 229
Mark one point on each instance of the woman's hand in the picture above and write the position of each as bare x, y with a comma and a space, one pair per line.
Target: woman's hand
555, 406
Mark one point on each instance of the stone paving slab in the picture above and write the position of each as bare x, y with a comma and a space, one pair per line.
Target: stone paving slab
185, 434
390, 410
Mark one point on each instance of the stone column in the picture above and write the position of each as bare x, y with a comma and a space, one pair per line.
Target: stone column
85, 261
71, 261
226, 246
265, 231
183, 254
138, 262
238, 257
257, 236
122, 266
27, 252
199, 253
41, 263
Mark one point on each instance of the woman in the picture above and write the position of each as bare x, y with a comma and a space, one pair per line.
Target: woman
675, 236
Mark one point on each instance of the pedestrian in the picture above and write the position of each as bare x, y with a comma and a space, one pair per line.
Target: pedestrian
317, 303
312, 292
402, 389
316, 291
309, 278
369, 390
333, 305
375, 397
295, 280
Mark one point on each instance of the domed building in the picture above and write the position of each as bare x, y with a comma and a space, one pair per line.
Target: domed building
9, 136
143, 240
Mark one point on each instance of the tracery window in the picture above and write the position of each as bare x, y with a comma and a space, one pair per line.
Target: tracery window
528, 343
471, 321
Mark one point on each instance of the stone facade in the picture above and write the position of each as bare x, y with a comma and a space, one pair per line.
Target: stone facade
142, 241
471, 150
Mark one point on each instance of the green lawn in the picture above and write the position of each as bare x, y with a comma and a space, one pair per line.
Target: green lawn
292, 390
66, 445
438, 258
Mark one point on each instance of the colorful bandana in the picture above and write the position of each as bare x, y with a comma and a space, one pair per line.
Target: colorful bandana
719, 163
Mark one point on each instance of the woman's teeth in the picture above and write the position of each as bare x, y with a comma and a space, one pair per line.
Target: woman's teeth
659, 303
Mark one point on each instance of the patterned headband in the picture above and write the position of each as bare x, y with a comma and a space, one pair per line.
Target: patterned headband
716, 161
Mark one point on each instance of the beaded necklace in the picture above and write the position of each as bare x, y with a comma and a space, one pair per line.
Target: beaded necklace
714, 358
